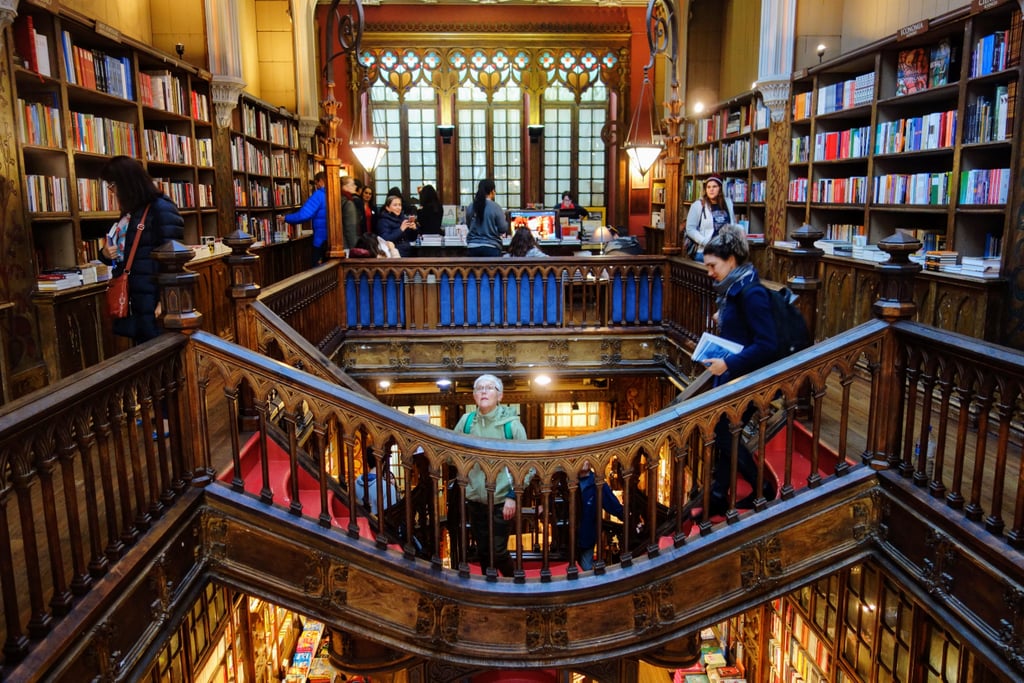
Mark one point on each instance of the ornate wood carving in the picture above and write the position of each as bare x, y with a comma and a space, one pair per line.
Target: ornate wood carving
1011, 631
652, 607
867, 518
437, 619
451, 353
937, 570
398, 355
611, 352
559, 353
214, 538
547, 629
761, 563
505, 353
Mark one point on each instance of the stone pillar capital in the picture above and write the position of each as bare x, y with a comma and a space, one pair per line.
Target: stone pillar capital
775, 94
225, 90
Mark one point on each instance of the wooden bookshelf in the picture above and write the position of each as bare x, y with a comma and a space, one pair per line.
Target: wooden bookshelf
916, 135
268, 175
731, 141
83, 96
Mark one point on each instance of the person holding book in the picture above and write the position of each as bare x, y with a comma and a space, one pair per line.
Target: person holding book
706, 217
142, 205
744, 316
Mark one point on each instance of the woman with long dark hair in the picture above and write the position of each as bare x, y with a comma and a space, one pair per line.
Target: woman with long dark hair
706, 217
430, 213
136, 192
487, 222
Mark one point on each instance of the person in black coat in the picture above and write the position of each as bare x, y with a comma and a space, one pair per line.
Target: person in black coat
135, 192
431, 213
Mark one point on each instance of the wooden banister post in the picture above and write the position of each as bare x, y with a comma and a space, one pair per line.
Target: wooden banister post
804, 280
177, 287
242, 267
895, 302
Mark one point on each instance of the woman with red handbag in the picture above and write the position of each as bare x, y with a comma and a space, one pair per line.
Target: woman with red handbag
148, 219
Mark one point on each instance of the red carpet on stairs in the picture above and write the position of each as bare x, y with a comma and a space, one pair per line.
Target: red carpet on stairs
309, 490
280, 479
775, 466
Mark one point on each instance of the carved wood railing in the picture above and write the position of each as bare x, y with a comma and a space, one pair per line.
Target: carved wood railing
491, 294
60, 534
678, 441
87, 467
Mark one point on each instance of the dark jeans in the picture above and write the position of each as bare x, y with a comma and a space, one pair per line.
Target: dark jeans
479, 514
320, 254
746, 467
483, 252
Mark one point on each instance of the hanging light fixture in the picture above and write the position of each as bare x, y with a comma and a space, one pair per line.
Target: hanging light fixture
367, 148
662, 38
643, 150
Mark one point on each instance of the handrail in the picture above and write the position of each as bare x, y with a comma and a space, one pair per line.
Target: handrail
681, 436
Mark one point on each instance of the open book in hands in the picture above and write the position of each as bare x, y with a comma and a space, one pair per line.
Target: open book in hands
712, 346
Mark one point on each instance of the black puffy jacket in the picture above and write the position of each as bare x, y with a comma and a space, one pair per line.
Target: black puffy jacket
163, 222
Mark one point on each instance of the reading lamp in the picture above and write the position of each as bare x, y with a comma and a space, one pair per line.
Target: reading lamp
602, 235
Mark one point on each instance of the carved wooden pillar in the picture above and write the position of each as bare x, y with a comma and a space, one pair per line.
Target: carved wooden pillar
895, 302
242, 267
673, 167
804, 279
332, 167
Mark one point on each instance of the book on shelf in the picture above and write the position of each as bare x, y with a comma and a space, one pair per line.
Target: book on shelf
980, 266
938, 66
712, 346
25, 42
912, 71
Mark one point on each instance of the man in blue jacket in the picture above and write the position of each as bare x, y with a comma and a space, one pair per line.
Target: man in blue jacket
315, 208
586, 535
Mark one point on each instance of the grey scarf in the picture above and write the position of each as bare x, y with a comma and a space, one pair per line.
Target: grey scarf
744, 272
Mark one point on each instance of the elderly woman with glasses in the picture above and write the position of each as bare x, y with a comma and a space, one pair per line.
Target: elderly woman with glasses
495, 421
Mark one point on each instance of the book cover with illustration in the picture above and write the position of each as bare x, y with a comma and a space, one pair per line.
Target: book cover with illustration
912, 71
938, 69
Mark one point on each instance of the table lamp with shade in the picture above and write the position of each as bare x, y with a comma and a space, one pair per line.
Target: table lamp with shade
602, 235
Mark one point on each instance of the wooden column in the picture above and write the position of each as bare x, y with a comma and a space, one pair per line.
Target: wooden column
673, 168
332, 167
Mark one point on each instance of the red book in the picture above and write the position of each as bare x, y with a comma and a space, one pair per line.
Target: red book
25, 42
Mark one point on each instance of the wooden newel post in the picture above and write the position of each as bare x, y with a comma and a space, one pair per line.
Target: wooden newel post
177, 287
896, 293
804, 280
895, 302
242, 269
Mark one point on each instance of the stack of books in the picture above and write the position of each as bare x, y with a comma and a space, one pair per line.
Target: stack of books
980, 266
835, 247
431, 240
868, 252
941, 260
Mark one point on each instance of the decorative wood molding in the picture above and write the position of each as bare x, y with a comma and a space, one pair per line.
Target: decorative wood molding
437, 619
652, 607
761, 563
547, 629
